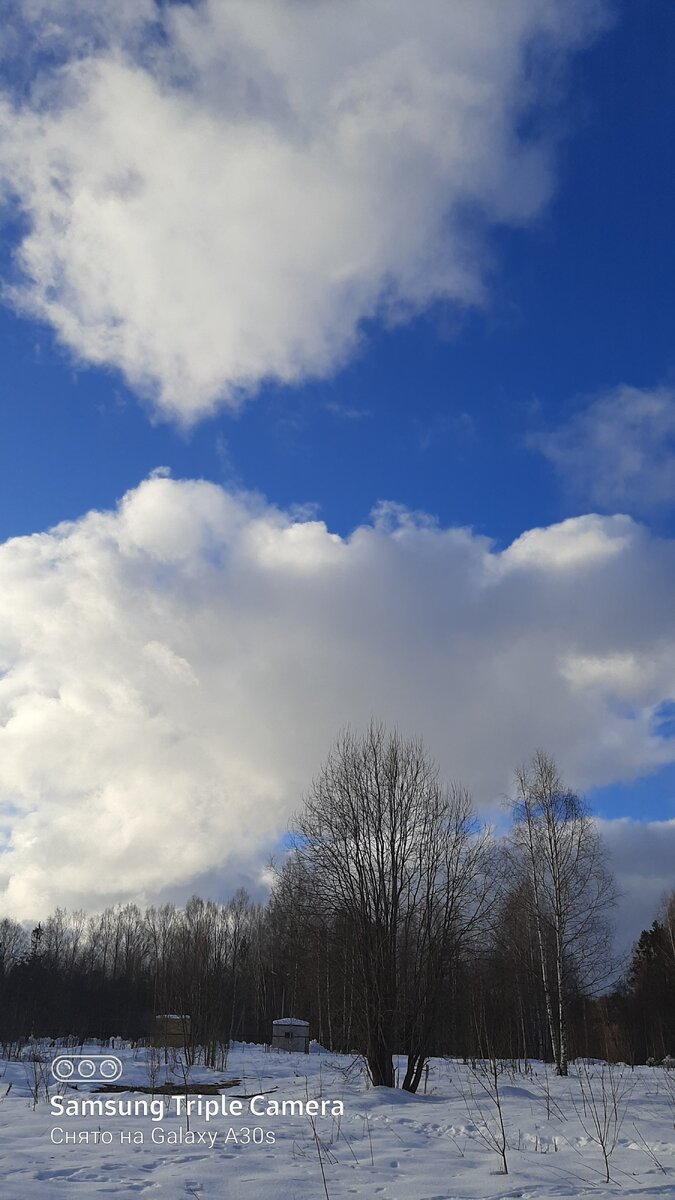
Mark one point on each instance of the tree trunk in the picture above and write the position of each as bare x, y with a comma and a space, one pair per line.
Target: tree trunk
380, 1065
414, 1070
561, 1063
547, 994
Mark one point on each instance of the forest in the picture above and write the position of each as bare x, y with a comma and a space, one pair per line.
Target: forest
397, 923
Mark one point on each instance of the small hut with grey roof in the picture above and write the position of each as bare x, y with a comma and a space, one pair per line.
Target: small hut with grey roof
290, 1033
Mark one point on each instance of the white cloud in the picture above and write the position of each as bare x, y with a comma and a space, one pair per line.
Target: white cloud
227, 202
589, 539
622, 675
173, 673
619, 451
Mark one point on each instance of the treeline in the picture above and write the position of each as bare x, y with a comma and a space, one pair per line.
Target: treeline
235, 967
398, 924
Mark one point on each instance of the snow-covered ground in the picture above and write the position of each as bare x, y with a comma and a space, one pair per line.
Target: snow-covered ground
386, 1144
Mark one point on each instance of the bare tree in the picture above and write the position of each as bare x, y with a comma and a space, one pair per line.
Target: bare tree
14, 943
484, 1105
558, 846
604, 1098
394, 859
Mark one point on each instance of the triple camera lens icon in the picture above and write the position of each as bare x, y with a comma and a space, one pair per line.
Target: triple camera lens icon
86, 1068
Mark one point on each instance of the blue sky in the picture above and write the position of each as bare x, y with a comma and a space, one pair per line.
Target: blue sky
435, 414
503, 401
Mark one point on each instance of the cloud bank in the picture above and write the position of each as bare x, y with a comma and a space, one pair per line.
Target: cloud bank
173, 672
218, 194
642, 856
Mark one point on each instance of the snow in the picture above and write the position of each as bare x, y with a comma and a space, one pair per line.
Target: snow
387, 1144
291, 1021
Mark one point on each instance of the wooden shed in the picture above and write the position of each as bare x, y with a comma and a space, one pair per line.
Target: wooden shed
171, 1029
290, 1033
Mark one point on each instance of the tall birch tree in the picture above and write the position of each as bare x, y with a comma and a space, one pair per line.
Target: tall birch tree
571, 891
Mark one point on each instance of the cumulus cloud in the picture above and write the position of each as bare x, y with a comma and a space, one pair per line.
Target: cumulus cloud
619, 451
213, 195
173, 672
